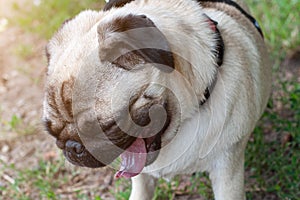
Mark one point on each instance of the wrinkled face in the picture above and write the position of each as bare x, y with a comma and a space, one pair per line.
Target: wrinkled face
107, 91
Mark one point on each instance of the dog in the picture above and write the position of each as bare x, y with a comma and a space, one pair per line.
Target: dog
159, 88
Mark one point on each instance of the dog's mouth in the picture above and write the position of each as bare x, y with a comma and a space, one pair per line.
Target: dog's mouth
142, 152
135, 151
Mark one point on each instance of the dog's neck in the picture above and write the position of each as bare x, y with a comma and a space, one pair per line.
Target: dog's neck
219, 54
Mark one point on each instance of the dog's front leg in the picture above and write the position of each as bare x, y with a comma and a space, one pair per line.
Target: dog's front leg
227, 176
143, 187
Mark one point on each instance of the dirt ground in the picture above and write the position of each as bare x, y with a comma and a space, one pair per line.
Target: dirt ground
21, 84
21, 94
23, 141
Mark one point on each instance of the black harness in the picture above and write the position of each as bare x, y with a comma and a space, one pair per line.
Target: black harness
219, 52
238, 7
115, 4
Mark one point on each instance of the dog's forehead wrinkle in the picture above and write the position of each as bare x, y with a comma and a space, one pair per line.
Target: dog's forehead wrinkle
57, 107
54, 124
51, 99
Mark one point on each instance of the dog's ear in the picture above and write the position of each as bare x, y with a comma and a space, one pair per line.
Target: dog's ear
134, 39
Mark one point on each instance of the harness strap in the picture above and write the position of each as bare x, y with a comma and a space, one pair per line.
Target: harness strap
115, 3
219, 55
237, 6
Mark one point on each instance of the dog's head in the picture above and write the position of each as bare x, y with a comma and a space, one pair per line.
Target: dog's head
108, 90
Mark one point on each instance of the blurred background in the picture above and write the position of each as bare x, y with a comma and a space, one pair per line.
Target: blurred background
31, 167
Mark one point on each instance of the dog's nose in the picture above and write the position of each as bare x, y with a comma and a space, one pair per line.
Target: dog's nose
74, 147
77, 154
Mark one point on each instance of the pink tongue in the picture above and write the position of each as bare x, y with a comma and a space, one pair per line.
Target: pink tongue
133, 160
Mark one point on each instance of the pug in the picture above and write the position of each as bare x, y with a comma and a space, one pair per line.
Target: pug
159, 88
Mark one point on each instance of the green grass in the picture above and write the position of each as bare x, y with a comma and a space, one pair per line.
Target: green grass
16, 124
122, 189
47, 17
46, 181
280, 22
24, 51
274, 164
40, 181
272, 156
13, 124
